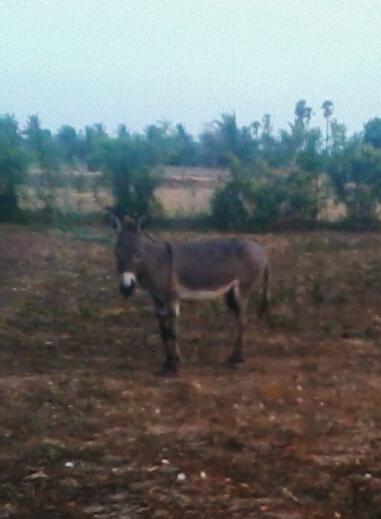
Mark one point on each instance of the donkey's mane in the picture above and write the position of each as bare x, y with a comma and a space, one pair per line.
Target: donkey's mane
166, 244
150, 237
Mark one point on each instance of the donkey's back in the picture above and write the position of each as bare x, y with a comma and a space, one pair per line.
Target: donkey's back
215, 265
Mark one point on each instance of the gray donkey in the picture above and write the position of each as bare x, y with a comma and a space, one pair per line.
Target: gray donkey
196, 269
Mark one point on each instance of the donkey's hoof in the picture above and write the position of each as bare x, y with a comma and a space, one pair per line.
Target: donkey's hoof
234, 360
169, 369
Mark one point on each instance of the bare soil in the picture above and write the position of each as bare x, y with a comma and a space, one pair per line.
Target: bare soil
88, 428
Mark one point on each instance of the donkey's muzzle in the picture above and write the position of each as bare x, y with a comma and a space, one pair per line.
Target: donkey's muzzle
127, 291
127, 284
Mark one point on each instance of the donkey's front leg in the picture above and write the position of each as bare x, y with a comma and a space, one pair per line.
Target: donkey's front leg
168, 330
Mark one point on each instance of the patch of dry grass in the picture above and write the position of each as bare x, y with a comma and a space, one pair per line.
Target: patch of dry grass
88, 430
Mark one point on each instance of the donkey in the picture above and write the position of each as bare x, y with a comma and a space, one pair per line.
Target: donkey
196, 269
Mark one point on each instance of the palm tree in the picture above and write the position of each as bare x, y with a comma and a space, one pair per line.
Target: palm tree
300, 110
307, 116
327, 108
256, 125
303, 115
266, 125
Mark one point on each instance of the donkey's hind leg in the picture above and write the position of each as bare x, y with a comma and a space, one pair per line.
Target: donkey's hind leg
239, 306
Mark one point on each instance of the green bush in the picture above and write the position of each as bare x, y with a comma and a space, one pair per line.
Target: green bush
356, 177
259, 198
129, 164
284, 195
228, 207
13, 167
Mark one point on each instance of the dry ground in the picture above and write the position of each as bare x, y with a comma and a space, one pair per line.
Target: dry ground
87, 429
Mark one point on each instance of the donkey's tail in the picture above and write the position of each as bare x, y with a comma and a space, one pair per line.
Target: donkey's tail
264, 304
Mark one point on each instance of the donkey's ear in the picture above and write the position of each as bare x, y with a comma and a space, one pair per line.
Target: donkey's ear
141, 222
114, 220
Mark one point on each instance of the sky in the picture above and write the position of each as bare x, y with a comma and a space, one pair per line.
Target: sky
136, 62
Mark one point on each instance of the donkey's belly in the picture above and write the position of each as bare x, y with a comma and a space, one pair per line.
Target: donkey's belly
203, 293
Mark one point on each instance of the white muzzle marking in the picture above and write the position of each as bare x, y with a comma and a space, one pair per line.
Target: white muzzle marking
128, 279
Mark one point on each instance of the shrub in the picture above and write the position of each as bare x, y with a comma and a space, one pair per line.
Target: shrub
229, 210
356, 176
13, 166
129, 165
287, 195
255, 199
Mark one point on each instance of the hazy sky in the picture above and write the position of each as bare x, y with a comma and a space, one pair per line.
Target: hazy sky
139, 61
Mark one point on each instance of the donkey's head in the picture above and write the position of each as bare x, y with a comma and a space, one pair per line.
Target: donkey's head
128, 253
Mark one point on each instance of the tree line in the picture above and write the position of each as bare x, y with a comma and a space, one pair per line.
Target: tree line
274, 176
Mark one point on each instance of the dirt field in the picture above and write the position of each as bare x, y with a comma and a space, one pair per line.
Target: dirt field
87, 429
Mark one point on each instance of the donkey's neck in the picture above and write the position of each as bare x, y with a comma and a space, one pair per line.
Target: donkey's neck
156, 268
152, 246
